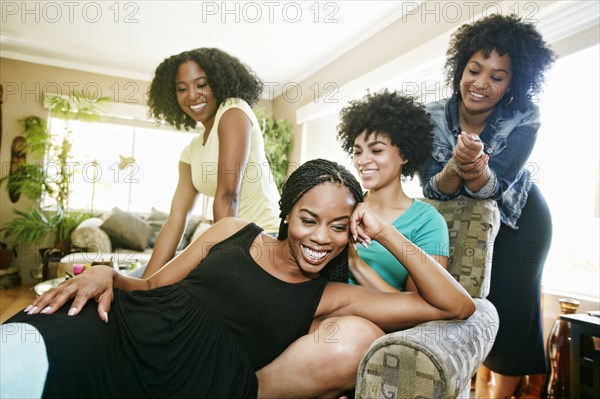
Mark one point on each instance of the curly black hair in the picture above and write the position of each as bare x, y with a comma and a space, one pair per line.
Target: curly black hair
227, 76
402, 118
529, 54
310, 174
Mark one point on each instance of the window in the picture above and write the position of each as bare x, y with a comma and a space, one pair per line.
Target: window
320, 141
565, 164
121, 163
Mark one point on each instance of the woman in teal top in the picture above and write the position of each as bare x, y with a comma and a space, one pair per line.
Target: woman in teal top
425, 227
389, 137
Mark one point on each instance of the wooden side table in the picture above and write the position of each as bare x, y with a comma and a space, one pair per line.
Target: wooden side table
585, 360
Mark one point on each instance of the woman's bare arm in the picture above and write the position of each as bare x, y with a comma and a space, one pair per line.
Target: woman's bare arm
234, 150
365, 275
98, 282
440, 259
438, 295
170, 234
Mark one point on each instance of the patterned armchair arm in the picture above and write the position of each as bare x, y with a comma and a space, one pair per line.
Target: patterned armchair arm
438, 359
432, 360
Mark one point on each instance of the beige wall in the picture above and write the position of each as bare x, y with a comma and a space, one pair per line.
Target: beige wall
23, 84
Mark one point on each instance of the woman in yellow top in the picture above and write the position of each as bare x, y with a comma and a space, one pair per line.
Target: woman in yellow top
211, 91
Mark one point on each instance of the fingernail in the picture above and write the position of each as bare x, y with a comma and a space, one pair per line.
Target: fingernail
27, 308
364, 244
46, 309
106, 317
72, 311
33, 309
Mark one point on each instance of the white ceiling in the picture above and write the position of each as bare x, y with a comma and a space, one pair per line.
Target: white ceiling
282, 41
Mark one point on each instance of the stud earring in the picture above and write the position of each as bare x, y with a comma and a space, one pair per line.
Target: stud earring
284, 221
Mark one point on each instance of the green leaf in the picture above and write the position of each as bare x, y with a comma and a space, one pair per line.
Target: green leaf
29, 227
278, 137
78, 106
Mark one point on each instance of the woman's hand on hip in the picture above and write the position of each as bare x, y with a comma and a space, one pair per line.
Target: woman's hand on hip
96, 283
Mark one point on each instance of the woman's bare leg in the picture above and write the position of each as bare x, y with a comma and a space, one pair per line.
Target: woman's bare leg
483, 382
322, 364
492, 385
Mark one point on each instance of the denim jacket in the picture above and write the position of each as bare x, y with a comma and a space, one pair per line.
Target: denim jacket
508, 138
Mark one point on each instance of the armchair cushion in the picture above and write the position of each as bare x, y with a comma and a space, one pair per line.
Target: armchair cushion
472, 225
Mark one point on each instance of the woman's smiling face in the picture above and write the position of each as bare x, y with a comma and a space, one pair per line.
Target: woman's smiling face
485, 81
194, 94
318, 226
377, 160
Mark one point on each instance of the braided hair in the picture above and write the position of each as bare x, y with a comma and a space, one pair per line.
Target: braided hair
307, 176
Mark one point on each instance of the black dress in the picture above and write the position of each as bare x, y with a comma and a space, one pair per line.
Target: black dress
203, 337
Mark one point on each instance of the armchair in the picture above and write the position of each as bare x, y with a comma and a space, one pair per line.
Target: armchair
438, 359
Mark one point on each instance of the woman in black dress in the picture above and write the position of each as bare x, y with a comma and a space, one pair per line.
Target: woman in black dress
211, 319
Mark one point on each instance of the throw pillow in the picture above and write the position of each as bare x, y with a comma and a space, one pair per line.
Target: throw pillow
156, 219
90, 237
157, 216
127, 230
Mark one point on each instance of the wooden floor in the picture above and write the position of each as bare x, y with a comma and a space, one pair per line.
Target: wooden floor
14, 300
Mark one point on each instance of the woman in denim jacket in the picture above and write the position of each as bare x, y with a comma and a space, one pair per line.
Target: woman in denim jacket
483, 136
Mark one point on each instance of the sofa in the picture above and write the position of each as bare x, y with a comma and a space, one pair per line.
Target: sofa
438, 359
121, 238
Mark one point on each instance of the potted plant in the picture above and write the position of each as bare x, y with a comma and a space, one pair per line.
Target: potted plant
278, 144
32, 179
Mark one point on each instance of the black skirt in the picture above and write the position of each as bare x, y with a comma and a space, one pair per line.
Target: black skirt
517, 266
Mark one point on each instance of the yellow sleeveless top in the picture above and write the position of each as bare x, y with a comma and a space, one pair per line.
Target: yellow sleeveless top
259, 198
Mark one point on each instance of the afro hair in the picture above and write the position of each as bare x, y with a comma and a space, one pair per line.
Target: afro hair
402, 118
